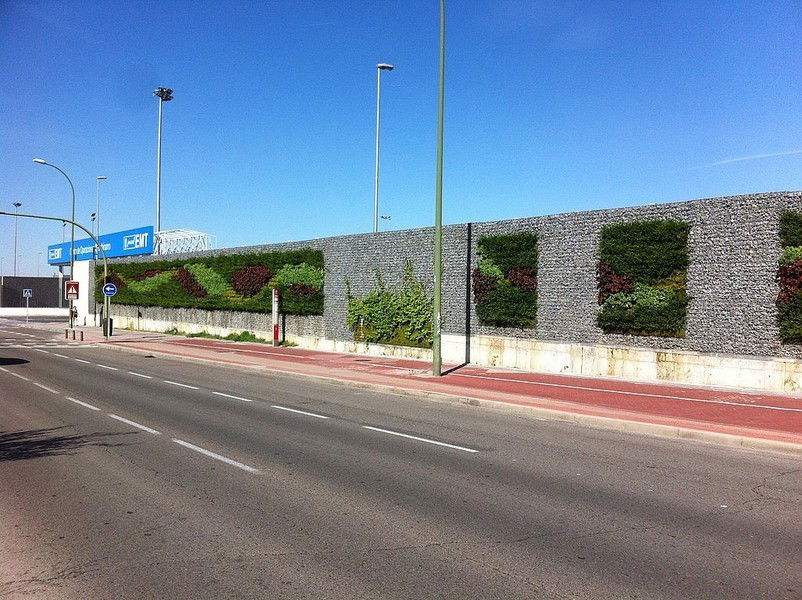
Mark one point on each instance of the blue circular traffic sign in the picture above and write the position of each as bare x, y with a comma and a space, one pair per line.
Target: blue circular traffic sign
109, 289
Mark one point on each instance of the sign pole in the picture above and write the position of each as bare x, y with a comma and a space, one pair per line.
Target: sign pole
27, 306
275, 317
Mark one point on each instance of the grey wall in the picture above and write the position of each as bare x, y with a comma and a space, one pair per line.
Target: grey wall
45, 291
734, 247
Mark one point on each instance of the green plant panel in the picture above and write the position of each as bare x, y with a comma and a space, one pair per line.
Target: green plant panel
154, 283
505, 280
642, 277
646, 251
789, 277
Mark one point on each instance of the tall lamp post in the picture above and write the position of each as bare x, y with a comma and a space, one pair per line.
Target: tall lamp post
164, 95
16, 218
438, 206
379, 68
98, 179
40, 161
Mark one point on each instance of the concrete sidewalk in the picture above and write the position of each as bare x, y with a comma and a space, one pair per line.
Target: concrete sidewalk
724, 416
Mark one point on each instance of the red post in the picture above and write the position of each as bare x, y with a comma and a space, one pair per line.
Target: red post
275, 317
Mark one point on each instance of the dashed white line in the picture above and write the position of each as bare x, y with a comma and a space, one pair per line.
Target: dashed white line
20, 376
300, 412
419, 439
44, 387
83, 361
60, 355
4, 370
216, 456
234, 397
140, 375
134, 424
40, 350
84, 404
184, 385
106, 367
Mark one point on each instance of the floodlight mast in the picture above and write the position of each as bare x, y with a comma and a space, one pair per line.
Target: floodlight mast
164, 95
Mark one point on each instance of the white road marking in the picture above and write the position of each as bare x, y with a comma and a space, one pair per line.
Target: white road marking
20, 376
140, 375
40, 350
192, 387
300, 412
134, 424
216, 456
4, 370
106, 367
60, 355
419, 439
84, 404
44, 387
83, 361
234, 397
609, 391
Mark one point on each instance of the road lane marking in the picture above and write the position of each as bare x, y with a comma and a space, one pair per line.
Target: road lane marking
20, 376
134, 424
419, 439
40, 350
140, 375
609, 391
60, 355
106, 367
300, 412
184, 385
84, 404
44, 387
234, 397
216, 456
4, 370
83, 361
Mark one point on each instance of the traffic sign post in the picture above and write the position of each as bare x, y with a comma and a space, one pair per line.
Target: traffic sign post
109, 290
70, 290
275, 317
27, 293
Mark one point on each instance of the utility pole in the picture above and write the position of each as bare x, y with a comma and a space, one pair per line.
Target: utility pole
437, 360
16, 210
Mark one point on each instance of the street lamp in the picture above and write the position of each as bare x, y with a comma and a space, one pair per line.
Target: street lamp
379, 68
437, 358
164, 95
16, 218
40, 161
99, 178
92, 218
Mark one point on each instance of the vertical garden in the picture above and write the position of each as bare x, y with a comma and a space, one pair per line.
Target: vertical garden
789, 276
242, 282
642, 278
505, 280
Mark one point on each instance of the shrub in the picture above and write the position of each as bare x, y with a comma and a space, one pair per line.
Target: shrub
642, 278
250, 279
505, 280
209, 279
147, 274
402, 318
790, 255
646, 251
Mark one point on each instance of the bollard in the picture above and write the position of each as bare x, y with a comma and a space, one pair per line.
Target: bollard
73, 334
66, 334
82, 336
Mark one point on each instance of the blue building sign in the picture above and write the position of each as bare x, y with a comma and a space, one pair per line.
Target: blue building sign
122, 243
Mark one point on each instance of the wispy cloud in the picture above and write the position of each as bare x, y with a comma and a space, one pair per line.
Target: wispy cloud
745, 158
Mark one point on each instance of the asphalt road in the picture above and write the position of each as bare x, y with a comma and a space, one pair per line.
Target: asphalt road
123, 476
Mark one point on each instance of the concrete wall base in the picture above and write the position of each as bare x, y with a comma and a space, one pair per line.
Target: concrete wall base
771, 374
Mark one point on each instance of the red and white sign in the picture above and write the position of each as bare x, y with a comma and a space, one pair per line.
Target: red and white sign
71, 290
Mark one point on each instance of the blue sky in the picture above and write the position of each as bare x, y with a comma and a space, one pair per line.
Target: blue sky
550, 107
